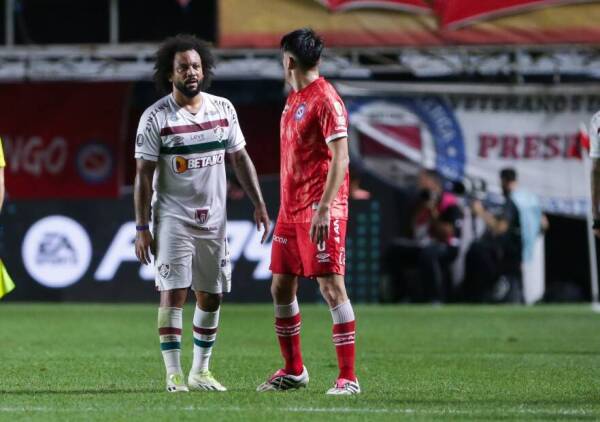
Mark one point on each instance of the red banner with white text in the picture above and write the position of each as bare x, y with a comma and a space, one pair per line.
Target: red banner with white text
63, 140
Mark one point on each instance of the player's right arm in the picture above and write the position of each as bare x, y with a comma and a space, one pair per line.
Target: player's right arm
142, 195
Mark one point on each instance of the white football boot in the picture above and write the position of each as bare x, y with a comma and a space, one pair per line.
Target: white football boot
205, 381
176, 383
281, 381
344, 387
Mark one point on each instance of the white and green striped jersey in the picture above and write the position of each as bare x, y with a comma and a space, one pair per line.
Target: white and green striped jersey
189, 181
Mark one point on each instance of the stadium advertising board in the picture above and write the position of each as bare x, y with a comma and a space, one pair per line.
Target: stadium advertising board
83, 251
248, 23
470, 133
60, 144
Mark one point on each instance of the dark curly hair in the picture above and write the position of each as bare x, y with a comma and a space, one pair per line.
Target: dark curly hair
163, 68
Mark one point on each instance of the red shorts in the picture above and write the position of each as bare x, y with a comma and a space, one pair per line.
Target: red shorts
292, 251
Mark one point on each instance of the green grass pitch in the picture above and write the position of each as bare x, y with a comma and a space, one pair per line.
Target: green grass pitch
102, 362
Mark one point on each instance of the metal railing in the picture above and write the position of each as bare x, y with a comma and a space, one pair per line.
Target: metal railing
135, 62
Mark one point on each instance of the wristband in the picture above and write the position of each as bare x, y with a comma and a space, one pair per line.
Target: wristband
596, 225
142, 228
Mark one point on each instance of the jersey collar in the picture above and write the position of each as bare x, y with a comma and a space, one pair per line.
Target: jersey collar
311, 85
186, 113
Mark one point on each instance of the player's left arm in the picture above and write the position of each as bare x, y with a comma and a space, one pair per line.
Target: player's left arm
319, 228
246, 174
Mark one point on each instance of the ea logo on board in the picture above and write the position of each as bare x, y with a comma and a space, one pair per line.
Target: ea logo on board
300, 111
56, 251
95, 163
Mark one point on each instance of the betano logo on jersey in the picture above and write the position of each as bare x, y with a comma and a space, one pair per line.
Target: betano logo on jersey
182, 164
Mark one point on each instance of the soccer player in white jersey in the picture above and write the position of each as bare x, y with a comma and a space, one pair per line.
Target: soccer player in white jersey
180, 163
594, 135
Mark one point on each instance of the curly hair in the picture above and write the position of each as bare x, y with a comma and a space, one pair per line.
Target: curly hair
163, 68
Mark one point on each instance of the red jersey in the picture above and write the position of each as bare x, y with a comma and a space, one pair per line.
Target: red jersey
311, 118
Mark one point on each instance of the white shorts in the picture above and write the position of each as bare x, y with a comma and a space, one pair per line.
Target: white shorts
185, 258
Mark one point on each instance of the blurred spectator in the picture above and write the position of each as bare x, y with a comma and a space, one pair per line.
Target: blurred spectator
356, 192
234, 189
494, 262
432, 246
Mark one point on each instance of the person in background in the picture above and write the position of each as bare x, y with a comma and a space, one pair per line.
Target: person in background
356, 192
437, 227
494, 262
433, 244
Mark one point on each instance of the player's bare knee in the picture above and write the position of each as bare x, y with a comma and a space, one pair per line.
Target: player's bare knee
333, 292
173, 298
330, 293
282, 293
275, 290
208, 302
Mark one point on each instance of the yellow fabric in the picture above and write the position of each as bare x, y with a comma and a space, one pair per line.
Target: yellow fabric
6, 283
2, 162
244, 22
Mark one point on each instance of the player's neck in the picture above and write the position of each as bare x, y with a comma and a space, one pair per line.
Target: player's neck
191, 104
301, 80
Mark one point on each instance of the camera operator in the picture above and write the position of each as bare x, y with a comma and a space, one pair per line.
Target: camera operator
434, 243
493, 264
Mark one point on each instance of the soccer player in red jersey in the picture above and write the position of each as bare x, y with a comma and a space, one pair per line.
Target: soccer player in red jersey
309, 238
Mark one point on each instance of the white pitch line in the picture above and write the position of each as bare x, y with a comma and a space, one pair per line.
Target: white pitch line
347, 410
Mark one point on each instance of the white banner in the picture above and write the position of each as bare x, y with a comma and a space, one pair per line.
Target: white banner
472, 132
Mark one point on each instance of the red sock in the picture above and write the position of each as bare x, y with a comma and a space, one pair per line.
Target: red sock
288, 334
343, 339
